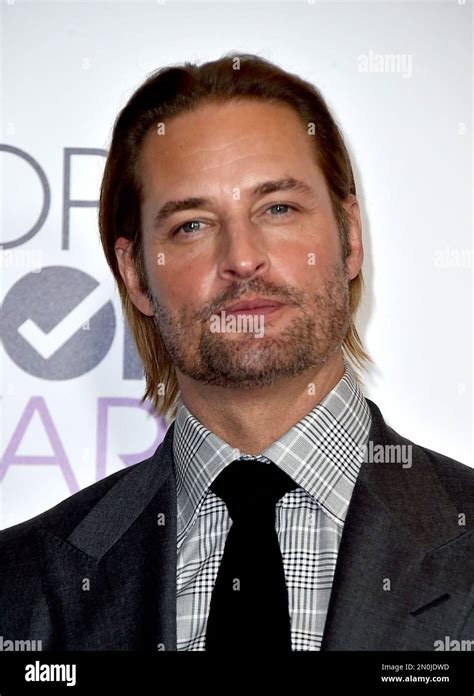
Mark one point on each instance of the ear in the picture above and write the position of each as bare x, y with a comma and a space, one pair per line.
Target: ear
123, 251
356, 249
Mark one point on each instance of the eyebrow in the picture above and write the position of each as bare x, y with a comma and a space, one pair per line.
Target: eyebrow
288, 184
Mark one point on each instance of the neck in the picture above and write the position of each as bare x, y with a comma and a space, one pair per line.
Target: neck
251, 419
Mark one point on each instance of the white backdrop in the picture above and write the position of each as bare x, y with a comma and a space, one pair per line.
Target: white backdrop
398, 77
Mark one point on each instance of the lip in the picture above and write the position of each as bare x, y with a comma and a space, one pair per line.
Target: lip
259, 305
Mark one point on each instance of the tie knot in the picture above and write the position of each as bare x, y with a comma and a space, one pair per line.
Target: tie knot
251, 488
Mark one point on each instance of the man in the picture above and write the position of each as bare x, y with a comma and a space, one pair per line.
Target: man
280, 512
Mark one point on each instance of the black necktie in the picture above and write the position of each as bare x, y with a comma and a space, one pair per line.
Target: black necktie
249, 602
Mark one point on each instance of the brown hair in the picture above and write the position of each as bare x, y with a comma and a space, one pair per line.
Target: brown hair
174, 90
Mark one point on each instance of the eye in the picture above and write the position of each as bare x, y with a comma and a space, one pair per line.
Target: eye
185, 225
280, 206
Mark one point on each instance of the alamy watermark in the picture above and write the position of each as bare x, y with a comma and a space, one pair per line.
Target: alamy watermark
452, 645
387, 454
371, 62
453, 258
40, 672
22, 258
241, 323
11, 645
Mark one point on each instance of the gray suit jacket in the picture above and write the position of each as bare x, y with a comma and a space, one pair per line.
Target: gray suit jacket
98, 571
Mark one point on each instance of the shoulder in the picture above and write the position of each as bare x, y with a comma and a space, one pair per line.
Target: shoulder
63, 517
119, 490
457, 478
23, 606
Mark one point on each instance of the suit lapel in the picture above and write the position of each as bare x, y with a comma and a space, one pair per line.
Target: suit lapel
398, 583
111, 585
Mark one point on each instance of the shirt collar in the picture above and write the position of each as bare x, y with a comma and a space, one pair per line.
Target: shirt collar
322, 453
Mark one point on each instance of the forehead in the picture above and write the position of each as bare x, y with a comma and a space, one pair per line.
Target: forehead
225, 140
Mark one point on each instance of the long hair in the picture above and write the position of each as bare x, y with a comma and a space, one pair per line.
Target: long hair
172, 91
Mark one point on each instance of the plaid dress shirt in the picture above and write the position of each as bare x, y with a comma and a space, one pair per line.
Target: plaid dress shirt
322, 453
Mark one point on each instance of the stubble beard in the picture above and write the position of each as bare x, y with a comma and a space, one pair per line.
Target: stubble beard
246, 361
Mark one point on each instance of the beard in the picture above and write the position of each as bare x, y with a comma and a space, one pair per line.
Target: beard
314, 334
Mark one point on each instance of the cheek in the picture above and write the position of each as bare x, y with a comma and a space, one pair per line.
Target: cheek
179, 284
315, 242
300, 263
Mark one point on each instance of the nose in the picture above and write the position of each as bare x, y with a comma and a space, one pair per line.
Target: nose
242, 253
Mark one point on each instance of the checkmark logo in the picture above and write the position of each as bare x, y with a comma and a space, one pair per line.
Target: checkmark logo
47, 343
44, 320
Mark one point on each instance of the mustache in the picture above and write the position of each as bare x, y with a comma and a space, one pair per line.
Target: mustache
286, 294
239, 292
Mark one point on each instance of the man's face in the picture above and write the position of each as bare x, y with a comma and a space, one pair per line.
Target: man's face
239, 245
